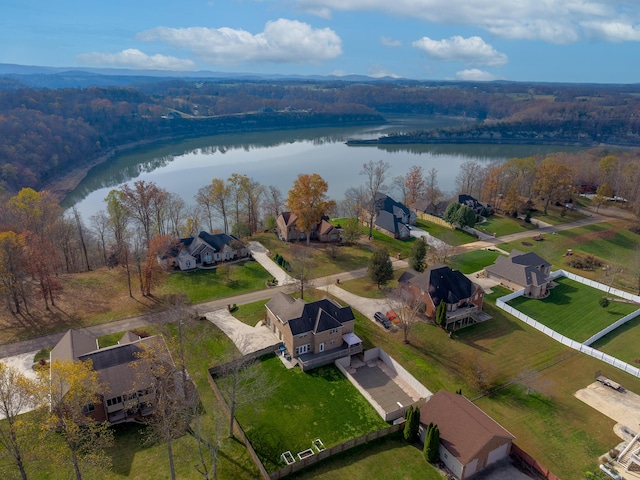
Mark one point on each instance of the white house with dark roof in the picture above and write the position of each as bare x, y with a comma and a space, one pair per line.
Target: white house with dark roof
526, 271
470, 440
125, 397
205, 250
315, 333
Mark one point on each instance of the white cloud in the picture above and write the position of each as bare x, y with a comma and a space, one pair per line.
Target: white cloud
390, 42
283, 41
134, 58
475, 75
472, 50
613, 31
555, 21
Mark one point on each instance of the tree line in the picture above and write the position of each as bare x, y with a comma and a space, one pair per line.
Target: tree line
46, 133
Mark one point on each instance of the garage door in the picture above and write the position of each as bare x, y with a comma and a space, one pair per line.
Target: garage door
497, 454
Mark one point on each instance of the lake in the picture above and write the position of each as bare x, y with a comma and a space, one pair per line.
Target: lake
276, 158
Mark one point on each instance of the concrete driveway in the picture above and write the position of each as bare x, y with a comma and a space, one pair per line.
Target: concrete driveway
246, 338
428, 238
366, 306
259, 252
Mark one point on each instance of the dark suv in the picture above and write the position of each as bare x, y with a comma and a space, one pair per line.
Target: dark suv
379, 316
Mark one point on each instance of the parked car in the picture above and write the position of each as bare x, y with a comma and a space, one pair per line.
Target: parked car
380, 317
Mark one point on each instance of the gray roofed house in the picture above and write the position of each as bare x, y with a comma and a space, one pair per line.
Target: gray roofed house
205, 250
393, 217
313, 333
125, 396
520, 270
439, 283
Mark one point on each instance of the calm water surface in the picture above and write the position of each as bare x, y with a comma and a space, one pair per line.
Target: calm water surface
276, 158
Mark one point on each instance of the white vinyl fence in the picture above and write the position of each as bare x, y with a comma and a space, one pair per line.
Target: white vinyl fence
581, 347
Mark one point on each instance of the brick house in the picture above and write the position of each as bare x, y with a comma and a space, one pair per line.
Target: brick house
288, 231
313, 333
439, 283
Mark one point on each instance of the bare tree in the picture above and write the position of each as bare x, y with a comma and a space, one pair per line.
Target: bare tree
376, 174
205, 199
432, 193
398, 183
466, 179
408, 306
354, 203
274, 201
174, 395
100, 223
80, 226
301, 266
243, 382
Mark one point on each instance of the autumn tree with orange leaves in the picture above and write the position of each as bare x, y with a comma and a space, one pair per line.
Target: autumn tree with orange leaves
308, 200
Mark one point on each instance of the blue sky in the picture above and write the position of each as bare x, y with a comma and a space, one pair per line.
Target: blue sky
519, 40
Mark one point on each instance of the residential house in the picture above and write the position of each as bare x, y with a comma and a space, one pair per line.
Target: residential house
315, 333
125, 397
392, 218
478, 208
439, 283
520, 270
205, 250
470, 440
323, 231
423, 205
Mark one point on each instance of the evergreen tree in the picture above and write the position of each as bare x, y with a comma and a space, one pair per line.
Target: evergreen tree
380, 267
434, 449
441, 314
416, 257
412, 425
406, 433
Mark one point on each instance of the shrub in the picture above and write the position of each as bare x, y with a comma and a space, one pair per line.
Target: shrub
604, 302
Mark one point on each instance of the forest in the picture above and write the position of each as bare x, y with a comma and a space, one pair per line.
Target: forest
45, 133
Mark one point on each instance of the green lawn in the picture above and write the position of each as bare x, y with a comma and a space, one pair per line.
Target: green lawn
451, 237
572, 310
501, 225
557, 215
611, 242
203, 285
623, 342
374, 460
348, 257
319, 404
473, 261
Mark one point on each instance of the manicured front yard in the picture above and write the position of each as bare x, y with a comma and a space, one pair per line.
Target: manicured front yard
572, 309
305, 406
501, 225
473, 261
203, 285
451, 237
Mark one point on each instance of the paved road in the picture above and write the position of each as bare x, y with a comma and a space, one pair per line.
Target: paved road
38, 343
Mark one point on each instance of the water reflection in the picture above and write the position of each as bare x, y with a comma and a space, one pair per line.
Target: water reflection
276, 158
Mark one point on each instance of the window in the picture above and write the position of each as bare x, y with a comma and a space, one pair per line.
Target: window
302, 335
332, 331
88, 408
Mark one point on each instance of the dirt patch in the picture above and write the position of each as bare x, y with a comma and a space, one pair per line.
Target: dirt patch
623, 407
527, 244
590, 237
